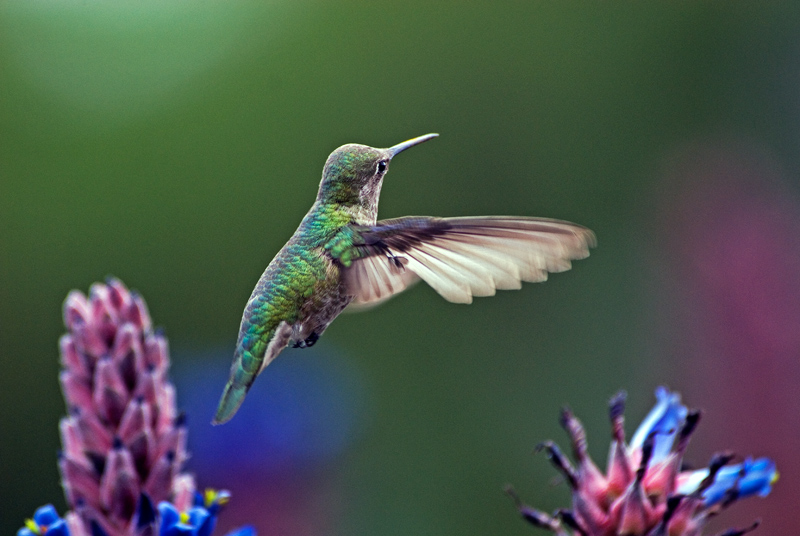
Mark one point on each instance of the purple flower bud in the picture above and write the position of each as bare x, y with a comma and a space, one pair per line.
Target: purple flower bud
127, 354
80, 483
159, 482
73, 443
105, 317
167, 416
71, 359
77, 390
119, 487
156, 352
136, 420
183, 488
75, 524
76, 310
138, 313
147, 388
118, 294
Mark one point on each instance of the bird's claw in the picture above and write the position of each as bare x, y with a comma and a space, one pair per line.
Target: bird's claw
308, 342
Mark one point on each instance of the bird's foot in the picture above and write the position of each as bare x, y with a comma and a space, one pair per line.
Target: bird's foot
308, 342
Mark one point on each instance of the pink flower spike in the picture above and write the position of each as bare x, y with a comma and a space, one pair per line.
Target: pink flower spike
123, 436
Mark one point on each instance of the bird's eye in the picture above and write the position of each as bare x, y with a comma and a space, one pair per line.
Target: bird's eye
382, 166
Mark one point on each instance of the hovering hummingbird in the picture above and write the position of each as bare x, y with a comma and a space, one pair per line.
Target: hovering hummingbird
341, 256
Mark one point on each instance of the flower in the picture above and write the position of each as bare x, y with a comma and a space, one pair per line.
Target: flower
123, 436
199, 520
45, 521
124, 443
753, 477
644, 492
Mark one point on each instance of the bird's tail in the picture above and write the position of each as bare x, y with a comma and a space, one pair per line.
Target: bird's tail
232, 397
250, 359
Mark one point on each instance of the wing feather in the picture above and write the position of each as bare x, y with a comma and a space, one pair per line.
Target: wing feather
462, 257
375, 279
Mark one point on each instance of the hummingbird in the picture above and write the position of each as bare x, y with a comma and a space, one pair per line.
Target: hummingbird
341, 256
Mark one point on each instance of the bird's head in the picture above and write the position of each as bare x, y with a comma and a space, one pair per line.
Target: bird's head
353, 174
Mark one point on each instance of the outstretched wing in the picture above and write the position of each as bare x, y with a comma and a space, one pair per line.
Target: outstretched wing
460, 257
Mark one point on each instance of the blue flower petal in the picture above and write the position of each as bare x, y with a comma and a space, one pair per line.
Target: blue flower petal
170, 517
59, 528
177, 530
197, 515
198, 521
46, 515
206, 528
664, 421
25, 531
244, 531
201, 520
748, 478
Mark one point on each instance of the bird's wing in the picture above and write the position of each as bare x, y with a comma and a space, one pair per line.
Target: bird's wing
460, 257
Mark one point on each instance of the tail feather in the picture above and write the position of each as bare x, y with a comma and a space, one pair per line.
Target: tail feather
246, 366
229, 403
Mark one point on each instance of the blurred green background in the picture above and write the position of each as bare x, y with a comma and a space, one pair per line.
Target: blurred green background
177, 144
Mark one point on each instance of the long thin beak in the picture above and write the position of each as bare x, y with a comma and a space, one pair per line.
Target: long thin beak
400, 147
